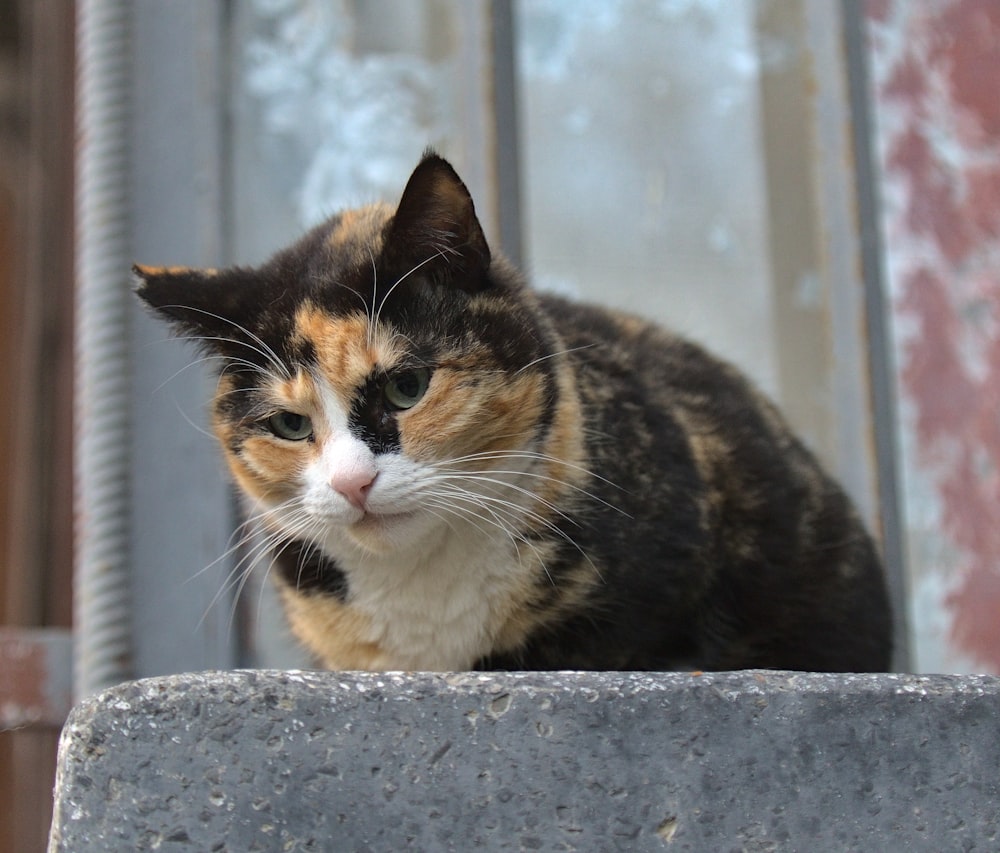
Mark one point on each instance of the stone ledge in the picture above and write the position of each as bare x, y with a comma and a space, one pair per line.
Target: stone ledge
755, 761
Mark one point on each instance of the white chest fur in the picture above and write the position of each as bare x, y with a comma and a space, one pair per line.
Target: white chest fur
441, 607
432, 553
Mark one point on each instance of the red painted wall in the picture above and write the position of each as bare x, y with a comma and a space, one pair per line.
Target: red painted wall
936, 79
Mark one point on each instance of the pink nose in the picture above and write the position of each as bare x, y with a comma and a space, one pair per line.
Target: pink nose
354, 484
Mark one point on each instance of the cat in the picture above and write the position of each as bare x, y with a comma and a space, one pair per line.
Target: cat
455, 472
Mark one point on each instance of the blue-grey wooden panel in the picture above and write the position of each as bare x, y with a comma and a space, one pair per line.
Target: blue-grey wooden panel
181, 504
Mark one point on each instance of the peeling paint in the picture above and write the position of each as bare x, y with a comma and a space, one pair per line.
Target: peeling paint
35, 677
936, 69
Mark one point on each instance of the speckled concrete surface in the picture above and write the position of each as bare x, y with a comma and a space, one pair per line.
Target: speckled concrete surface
754, 761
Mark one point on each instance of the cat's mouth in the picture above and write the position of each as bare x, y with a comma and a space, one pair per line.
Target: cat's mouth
374, 520
382, 532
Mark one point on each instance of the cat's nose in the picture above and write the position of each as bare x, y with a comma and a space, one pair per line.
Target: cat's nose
354, 484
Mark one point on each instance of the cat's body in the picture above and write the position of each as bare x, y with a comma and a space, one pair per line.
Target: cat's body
456, 472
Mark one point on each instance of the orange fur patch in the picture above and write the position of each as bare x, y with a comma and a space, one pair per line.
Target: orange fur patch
565, 443
265, 470
151, 272
276, 459
463, 414
297, 394
360, 230
338, 634
345, 351
266, 467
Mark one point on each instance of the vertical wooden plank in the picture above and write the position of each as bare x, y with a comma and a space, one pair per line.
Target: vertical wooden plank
55, 33
820, 292
476, 118
180, 495
881, 367
28, 812
9, 310
8, 820
8, 316
839, 242
506, 141
799, 301
36, 285
489, 149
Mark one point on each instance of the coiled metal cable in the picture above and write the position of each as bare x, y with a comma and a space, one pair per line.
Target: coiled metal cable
101, 587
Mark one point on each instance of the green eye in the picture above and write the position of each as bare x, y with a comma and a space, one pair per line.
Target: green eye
403, 390
290, 426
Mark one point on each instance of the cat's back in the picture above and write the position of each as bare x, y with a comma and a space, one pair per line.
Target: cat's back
635, 375
723, 499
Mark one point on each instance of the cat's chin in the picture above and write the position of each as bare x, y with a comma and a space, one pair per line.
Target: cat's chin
383, 533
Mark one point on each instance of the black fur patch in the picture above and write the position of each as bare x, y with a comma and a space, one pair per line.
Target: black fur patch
306, 570
372, 420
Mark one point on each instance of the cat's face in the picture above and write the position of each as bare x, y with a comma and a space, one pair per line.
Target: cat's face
379, 381
378, 436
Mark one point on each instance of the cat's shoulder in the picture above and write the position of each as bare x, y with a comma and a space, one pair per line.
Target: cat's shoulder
597, 329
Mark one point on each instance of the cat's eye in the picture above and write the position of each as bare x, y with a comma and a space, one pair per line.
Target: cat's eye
403, 390
290, 425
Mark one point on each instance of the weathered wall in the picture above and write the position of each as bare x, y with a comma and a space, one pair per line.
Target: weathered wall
936, 80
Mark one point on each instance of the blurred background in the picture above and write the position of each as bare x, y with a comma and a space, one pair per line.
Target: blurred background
810, 188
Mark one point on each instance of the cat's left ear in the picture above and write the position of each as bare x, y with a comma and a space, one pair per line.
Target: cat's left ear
196, 302
436, 228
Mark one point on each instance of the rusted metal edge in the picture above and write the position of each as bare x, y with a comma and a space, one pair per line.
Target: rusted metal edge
36, 677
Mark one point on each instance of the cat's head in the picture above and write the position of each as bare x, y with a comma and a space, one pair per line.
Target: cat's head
378, 379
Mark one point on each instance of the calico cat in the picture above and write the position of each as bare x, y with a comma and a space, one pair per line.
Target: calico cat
454, 471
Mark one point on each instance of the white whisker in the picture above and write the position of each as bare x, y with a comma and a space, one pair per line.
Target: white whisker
492, 455
553, 355
261, 349
399, 281
371, 316
543, 477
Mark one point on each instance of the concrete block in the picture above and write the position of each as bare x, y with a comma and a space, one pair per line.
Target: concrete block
750, 761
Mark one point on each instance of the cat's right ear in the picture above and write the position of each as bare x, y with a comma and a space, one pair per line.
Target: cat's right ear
196, 302
435, 228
